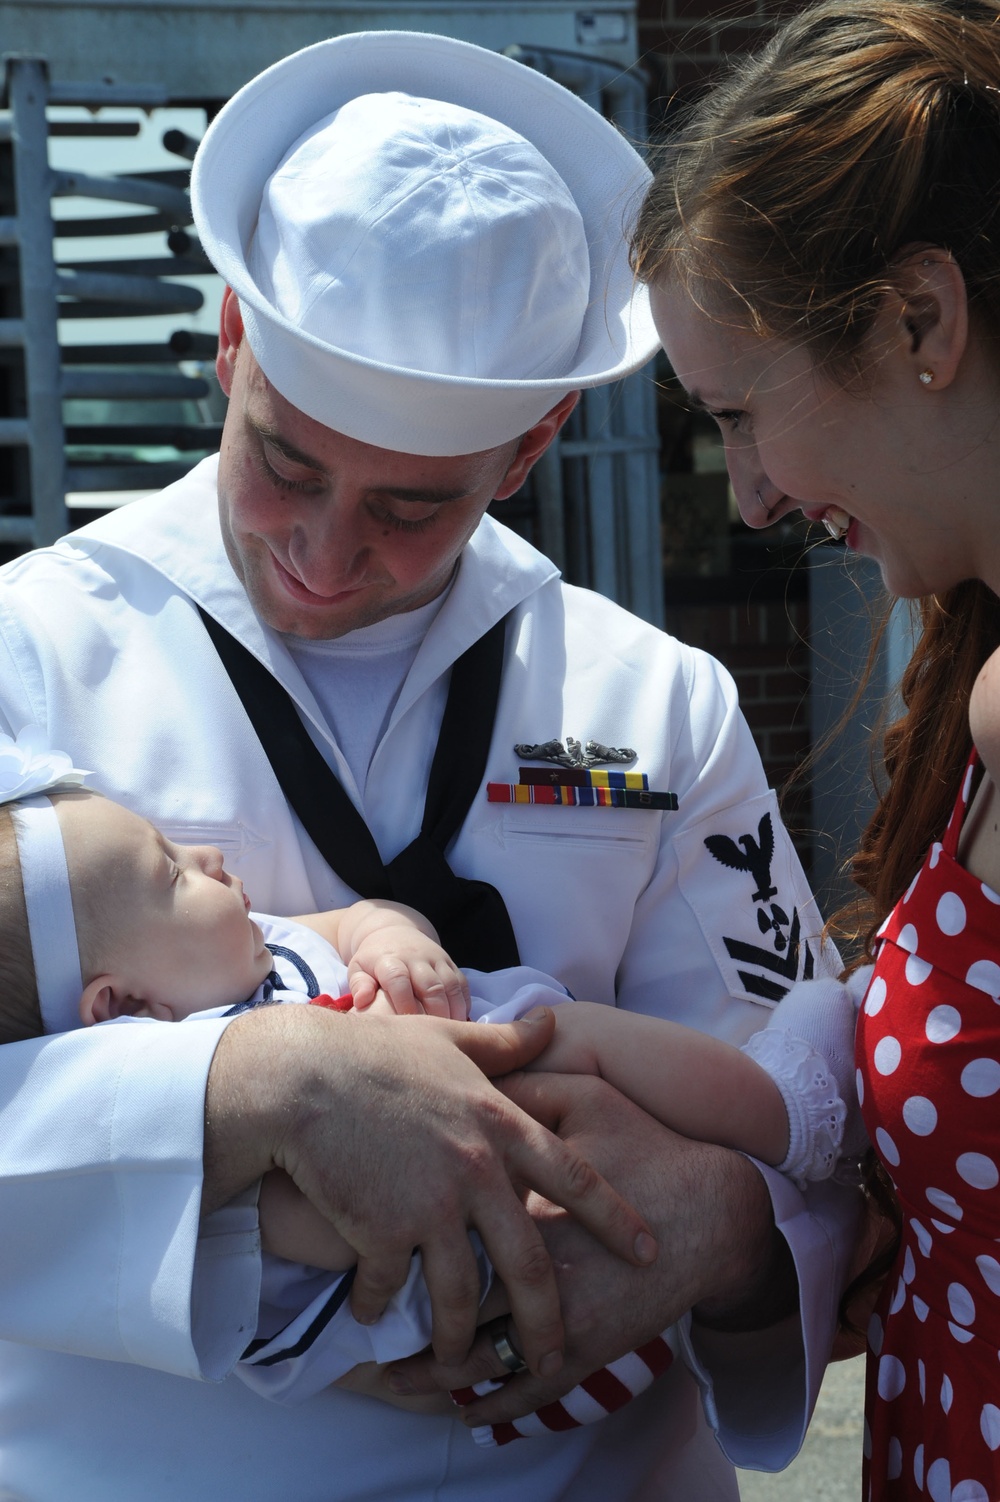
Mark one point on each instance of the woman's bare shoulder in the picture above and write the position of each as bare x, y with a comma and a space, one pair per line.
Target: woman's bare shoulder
984, 715
979, 846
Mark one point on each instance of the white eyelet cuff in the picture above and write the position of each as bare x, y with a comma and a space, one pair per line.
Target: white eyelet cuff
816, 1112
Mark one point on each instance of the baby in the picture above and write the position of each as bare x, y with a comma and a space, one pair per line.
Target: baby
102, 918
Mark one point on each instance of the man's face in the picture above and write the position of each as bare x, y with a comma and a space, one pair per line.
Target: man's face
328, 534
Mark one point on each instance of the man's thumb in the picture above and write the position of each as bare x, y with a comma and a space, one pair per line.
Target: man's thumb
501, 1047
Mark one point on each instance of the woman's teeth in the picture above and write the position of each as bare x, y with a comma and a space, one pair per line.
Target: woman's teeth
836, 522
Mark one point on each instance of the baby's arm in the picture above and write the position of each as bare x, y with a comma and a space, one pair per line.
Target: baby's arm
691, 1082
393, 959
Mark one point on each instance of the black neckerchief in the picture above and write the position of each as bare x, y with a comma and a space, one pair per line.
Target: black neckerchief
470, 916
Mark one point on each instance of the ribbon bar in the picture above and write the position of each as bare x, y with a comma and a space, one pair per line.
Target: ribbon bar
579, 777
579, 797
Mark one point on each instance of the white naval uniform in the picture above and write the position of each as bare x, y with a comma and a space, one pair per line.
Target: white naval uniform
99, 1171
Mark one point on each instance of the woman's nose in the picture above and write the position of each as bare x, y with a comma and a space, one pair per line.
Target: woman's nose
753, 491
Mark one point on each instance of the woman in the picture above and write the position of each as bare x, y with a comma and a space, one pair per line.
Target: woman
823, 244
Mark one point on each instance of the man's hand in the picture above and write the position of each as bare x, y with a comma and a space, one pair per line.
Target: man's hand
708, 1206
390, 1127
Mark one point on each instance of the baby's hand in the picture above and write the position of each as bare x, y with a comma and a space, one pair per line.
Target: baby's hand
401, 970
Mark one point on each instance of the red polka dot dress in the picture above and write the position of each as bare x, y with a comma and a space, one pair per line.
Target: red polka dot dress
929, 1080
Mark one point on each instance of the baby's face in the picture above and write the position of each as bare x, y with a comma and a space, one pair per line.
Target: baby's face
176, 936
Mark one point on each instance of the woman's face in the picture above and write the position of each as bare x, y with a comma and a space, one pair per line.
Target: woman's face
794, 440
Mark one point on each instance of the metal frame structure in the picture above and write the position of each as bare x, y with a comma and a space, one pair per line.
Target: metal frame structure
42, 283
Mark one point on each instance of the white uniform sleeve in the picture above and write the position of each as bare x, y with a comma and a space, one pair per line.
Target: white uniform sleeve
100, 1187
296, 1354
727, 873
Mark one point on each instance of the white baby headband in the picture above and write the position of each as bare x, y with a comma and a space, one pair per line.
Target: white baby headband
29, 768
51, 925
427, 239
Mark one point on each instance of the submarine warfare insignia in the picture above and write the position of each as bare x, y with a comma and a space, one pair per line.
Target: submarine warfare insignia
572, 783
575, 755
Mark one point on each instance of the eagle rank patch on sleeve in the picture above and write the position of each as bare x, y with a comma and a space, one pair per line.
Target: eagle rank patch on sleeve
742, 878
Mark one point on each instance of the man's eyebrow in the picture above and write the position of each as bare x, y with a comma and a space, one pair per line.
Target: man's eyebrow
416, 495
288, 450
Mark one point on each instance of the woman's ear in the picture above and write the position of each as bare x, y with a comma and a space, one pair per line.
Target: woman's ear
934, 315
104, 998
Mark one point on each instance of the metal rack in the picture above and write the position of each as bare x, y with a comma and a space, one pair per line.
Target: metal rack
40, 376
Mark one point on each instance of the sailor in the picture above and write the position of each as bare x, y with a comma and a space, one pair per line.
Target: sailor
317, 652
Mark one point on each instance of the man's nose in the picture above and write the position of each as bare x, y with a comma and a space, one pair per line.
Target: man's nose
329, 550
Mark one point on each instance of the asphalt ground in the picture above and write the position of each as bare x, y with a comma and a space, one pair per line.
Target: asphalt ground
828, 1467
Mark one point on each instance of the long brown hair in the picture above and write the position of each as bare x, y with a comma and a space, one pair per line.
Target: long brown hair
926, 749
862, 129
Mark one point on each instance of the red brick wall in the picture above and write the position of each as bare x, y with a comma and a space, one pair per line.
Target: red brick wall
763, 643
683, 42
765, 648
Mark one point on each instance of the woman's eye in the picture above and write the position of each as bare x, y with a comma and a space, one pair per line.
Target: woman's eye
736, 420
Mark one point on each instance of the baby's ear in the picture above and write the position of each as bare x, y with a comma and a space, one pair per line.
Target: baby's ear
103, 999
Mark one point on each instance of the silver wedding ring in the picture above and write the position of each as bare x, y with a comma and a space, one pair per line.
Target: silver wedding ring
511, 1358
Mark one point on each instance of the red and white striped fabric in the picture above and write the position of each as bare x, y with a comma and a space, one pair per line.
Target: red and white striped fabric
601, 1393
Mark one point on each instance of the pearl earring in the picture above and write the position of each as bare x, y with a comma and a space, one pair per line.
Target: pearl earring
926, 377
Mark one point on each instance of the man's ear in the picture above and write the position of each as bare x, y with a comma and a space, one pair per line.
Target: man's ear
534, 443
935, 316
104, 998
230, 339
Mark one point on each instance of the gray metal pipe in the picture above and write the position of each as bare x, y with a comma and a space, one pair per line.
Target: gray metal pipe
152, 195
148, 291
27, 86
17, 529
14, 431
138, 385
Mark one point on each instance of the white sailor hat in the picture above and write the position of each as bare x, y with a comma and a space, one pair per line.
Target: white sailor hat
427, 240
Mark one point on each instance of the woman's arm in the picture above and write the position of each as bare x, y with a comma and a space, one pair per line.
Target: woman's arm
692, 1083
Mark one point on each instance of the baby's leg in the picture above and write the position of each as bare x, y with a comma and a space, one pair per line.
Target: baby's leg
292, 1228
